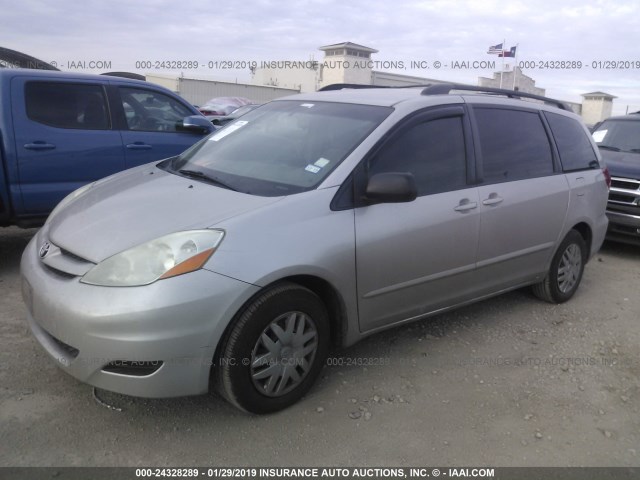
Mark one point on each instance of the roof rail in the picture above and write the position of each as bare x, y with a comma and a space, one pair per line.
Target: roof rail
340, 86
445, 88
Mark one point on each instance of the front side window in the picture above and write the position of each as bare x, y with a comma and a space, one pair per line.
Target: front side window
283, 147
433, 152
514, 145
67, 105
146, 110
576, 151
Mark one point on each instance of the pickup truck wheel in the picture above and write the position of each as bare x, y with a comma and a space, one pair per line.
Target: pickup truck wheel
275, 350
565, 272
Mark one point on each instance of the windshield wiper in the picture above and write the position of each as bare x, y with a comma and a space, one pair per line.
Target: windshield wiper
203, 176
609, 147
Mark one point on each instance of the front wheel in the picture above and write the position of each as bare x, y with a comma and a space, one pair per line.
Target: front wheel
565, 272
275, 350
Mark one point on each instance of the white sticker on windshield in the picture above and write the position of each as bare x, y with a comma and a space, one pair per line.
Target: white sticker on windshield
599, 135
322, 162
312, 168
307, 105
228, 130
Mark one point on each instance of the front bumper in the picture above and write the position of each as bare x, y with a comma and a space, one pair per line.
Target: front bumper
624, 227
175, 323
623, 210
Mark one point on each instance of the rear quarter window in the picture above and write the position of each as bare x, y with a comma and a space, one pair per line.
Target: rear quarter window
574, 146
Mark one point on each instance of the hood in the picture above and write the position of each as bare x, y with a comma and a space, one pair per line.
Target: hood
622, 164
140, 205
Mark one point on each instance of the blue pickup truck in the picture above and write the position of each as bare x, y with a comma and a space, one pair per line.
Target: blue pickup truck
59, 131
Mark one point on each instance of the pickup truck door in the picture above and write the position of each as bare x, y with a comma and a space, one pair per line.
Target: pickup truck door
63, 140
150, 125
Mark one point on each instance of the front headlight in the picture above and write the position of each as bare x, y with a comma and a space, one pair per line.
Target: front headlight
165, 257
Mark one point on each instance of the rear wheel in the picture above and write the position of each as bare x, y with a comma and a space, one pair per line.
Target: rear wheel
275, 350
565, 272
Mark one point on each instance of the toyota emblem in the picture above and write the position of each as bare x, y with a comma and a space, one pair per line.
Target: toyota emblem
44, 249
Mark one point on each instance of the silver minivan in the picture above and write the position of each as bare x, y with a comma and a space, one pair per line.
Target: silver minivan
312, 221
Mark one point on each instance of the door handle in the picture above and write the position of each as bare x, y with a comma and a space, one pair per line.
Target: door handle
39, 146
493, 199
138, 146
465, 205
580, 182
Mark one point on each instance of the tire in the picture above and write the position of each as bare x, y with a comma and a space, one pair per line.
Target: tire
274, 350
565, 271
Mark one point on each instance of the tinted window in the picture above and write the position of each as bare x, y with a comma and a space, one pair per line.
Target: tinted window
576, 151
152, 111
514, 145
67, 105
433, 152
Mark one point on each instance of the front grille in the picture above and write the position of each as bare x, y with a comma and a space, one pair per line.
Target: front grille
624, 229
624, 195
64, 263
73, 256
625, 184
132, 367
621, 197
626, 209
59, 273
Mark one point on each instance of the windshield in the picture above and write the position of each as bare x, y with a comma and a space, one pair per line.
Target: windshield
283, 147
623, 135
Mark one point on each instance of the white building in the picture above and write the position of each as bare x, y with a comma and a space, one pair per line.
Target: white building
345, 62
198, 91
596, 106
512, 80
349, 62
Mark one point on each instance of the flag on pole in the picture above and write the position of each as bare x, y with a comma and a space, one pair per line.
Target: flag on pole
495, 49
508, 53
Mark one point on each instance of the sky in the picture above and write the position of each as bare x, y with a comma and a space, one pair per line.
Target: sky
84, 36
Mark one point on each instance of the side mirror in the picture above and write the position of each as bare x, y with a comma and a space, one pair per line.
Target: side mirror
391, 188
196, 124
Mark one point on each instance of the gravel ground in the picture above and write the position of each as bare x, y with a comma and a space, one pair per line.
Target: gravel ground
510, 381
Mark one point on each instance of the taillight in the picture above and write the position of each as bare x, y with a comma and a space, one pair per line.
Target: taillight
607, 176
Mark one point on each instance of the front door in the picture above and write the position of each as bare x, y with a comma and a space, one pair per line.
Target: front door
416, 257
150, 131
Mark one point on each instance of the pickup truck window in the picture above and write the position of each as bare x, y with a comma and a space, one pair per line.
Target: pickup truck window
67, 105
150, 111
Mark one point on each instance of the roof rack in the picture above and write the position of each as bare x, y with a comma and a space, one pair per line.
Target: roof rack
445, 88
340, 86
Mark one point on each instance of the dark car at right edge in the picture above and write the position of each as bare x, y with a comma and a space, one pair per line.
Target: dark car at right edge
618, 139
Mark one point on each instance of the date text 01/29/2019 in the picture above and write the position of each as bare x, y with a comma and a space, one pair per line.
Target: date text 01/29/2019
579, 65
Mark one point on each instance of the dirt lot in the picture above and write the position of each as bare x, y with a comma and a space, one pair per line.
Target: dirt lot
507, 382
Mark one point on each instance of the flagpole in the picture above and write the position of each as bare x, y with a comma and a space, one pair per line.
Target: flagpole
515, 67
504, 42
